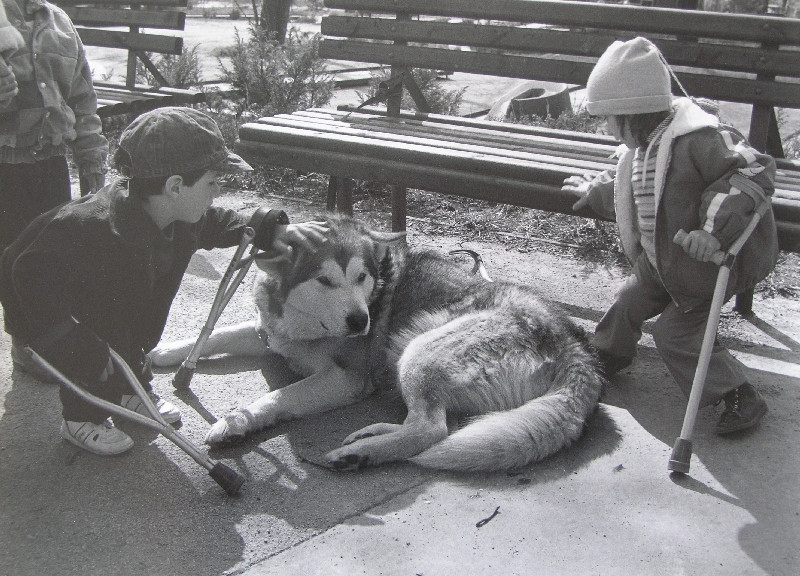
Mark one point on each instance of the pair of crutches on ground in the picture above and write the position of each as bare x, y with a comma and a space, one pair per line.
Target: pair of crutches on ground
230, 480
682, 449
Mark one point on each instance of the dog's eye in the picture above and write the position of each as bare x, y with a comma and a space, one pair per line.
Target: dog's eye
361, 277
325, 281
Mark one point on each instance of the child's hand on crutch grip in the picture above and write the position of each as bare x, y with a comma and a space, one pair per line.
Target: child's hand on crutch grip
698, 244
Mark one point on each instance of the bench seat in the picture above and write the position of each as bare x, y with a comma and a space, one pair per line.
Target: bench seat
140, 28
494, 161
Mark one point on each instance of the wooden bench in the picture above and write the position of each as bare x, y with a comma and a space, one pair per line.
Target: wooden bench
139, 28
730, 57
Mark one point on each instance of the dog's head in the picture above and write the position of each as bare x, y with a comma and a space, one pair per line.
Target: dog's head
327, 293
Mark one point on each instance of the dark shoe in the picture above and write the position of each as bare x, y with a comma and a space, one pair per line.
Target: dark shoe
610, 364
744, 408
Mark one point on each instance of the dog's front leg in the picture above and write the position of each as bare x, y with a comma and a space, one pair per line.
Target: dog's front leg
238, 340
333, 387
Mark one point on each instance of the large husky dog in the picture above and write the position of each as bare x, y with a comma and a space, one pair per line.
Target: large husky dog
365, 311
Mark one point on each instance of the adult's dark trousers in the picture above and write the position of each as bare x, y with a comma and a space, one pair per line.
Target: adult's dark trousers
28, 190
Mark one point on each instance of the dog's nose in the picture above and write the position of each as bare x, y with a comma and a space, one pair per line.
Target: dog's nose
357, 321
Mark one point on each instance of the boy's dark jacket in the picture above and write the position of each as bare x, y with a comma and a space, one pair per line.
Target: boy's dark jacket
94, 260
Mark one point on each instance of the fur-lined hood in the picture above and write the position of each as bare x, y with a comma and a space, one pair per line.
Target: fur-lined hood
688, 118
692, 149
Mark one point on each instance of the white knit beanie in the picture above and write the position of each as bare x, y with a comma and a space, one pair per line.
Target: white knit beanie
629, 78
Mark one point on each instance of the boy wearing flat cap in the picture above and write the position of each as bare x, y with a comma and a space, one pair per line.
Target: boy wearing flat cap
102, 271
679, 168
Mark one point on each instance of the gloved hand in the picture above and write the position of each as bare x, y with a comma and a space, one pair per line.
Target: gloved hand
8, 84
699, 244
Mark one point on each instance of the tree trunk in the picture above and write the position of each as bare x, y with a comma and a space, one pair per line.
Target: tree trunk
275, 17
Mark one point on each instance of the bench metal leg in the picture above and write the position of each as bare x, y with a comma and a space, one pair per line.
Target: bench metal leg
340, 195
398, 208
744, 303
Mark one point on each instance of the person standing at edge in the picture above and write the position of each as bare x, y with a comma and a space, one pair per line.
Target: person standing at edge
48, 106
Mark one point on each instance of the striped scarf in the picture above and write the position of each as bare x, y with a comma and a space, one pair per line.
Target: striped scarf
643, 183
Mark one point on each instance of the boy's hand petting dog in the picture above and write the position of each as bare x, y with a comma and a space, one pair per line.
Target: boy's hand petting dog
699, 244
309, 235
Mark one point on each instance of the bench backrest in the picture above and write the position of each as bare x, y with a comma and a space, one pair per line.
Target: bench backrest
119, 24
731, 57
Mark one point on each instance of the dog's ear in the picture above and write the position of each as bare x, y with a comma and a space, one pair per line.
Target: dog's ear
383, 243
274, 265
386, 237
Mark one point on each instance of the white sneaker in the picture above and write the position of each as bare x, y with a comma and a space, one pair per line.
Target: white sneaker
167, 410
102, 439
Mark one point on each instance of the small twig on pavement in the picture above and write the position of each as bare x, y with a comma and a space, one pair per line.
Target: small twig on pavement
485, 521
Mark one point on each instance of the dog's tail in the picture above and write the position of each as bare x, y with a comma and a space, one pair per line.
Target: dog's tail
510, 439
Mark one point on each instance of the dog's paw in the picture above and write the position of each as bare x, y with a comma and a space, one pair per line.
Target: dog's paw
170, 353
229, 430
344, 461
369, 431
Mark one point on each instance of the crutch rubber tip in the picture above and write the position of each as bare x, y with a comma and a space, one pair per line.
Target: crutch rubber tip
681, 455
230, 480
183, 377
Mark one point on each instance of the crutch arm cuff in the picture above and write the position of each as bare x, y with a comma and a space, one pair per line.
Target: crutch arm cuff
265, 224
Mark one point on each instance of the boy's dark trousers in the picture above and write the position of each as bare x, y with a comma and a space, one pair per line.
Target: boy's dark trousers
678, 334
28, 190
75, 409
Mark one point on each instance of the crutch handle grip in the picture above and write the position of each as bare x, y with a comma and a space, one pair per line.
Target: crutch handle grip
717, 257
183, 377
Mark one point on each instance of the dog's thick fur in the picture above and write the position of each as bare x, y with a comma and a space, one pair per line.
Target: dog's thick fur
365, 310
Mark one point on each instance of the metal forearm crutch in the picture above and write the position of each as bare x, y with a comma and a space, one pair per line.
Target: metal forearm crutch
682, 449
227, 287
230, 480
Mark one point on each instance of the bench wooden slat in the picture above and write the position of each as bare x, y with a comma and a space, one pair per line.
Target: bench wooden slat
350, 158
401, 138
589, 43
446, 158
503, 127
538, 140
431, 130
550, 69
119, 24
443, 179
131, 40
592, 15
111, 3
89, 16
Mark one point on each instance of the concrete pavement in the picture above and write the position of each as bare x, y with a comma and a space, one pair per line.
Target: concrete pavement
605, 506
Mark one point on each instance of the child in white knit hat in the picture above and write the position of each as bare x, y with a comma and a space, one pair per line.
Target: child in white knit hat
679, 168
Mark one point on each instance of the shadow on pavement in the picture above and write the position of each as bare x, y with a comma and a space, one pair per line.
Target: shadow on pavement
758, 469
